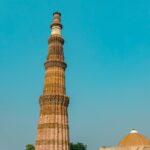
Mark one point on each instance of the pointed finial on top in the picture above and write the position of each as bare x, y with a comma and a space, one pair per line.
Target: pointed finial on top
133, 131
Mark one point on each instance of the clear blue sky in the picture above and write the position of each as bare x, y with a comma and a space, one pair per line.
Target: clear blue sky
107, 50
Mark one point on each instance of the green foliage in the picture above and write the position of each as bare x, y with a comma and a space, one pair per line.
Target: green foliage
77, 146
30, 147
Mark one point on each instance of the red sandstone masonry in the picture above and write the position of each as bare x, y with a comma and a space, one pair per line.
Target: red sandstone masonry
53, 128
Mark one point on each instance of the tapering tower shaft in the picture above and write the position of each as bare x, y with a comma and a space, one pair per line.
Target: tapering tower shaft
53, 129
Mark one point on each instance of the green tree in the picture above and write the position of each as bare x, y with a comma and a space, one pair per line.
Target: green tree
78, 146
30, 147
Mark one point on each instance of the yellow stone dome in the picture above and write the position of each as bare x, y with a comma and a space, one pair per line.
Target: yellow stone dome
134, 139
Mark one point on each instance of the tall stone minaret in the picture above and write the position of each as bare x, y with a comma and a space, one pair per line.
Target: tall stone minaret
53, 129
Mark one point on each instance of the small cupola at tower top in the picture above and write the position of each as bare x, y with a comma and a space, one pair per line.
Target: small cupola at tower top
56, 25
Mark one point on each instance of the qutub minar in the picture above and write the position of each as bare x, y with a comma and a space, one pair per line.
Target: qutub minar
53, 129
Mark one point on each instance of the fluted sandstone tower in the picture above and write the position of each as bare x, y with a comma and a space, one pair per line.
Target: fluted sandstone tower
53, 130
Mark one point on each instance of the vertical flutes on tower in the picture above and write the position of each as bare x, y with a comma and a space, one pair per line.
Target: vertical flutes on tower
53, 129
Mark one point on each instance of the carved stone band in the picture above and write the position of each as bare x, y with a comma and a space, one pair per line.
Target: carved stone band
56, 24
54, 99
55, 63
56, 38
52, 125
49, 111
51, 142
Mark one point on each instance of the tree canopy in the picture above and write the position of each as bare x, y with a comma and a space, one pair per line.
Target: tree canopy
30, 147
73, 146
78, 146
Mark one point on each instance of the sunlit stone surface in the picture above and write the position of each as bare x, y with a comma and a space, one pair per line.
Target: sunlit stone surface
53, 129
132, 141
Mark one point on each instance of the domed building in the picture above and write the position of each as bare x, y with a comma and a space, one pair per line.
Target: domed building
132, 141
